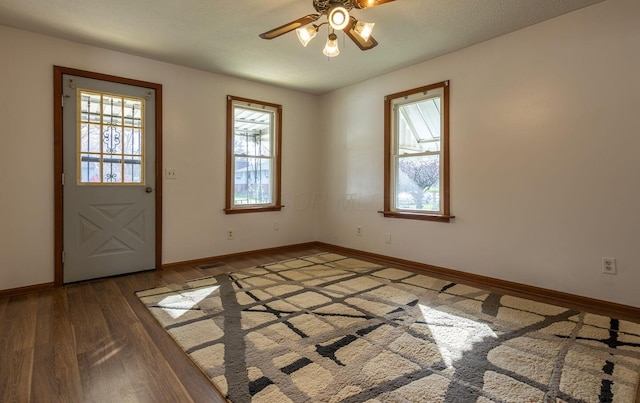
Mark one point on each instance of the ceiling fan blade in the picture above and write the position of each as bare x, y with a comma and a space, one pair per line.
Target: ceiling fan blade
369, 3
290, 26
356, 38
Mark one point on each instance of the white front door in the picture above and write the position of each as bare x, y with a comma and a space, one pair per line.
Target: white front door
109, 177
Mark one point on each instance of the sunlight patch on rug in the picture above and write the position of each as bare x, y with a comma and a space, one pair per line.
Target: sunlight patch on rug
176, 305
454, 335
328, 328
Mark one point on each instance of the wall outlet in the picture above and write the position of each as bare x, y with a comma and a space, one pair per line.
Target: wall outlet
387, 237
230, 234
170, 173
276, 226
358, 230
609, 265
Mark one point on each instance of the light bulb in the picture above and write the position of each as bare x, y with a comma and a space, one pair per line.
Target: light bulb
331, 48
338, 17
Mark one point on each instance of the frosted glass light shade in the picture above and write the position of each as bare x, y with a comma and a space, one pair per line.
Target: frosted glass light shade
306, 34
364, 29
331, 48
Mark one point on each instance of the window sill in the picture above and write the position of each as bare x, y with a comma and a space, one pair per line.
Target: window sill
418, 216
240, 210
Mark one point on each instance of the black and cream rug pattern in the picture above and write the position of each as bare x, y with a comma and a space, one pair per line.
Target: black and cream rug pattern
327, 328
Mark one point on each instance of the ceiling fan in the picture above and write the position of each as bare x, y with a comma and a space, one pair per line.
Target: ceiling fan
338, 18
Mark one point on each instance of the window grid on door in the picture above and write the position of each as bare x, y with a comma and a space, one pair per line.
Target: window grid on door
110, 139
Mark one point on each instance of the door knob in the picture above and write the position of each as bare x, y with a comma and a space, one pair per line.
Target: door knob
149, 189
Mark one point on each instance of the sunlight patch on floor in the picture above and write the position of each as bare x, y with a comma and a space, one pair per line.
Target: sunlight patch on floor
104, 353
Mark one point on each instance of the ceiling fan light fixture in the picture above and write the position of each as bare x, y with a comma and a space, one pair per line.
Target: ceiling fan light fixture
331, 48
306, 34
338, 17
364, 29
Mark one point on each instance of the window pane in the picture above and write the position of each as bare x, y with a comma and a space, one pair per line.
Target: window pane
132, 141
90, 168
112, 170
240, 144
132, 169
258, 144
418, 183
419, 125
249, 119
252, 143
240, 182
112, 110
90, 107
89, 138
252, 180
264, 145
132, 113
112, 140
252, 129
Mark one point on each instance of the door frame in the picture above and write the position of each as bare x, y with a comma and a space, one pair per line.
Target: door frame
58, 200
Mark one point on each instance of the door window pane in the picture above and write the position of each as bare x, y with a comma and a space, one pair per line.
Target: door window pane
89, 138
110, 139
89, 168
111, 170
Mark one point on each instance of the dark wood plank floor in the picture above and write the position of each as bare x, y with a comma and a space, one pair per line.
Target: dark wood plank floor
95, 342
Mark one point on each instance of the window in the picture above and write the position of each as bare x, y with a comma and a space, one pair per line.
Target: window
254, 131
416, 144
110, 139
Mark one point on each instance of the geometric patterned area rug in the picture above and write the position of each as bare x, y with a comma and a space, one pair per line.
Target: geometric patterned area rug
328, 328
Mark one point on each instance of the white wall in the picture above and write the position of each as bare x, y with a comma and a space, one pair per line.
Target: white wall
194, 144
545, 133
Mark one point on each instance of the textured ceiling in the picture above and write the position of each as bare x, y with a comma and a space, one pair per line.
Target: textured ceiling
221, 36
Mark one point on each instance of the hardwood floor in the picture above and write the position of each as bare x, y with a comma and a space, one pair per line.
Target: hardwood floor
95, 342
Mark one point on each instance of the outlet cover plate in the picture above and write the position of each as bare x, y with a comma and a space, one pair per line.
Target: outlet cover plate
609, 265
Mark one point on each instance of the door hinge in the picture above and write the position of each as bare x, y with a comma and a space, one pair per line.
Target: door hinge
62, 101
62, 256
63, 179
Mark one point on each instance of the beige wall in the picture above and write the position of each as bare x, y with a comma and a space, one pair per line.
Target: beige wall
545, 133
194, 144
545, 128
